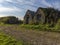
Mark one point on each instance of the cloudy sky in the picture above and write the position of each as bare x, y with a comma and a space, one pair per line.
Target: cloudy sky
19, 7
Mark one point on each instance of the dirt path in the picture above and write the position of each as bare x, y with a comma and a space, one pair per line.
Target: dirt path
33, 37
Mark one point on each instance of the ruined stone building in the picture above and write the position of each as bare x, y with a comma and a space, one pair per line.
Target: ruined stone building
9, 20
29, 17
42, 16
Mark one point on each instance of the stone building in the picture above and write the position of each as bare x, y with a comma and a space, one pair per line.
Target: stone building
42, 16
28, 18
12, 20
9, 20
39, 16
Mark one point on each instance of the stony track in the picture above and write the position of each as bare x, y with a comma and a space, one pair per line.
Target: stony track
32, 36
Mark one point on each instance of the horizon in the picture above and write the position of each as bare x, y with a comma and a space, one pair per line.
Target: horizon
18, 8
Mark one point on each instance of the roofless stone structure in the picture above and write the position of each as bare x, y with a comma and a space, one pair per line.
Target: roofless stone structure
42, 16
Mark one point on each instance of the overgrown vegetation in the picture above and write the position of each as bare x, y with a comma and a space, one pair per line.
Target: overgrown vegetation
41, 27
8, 40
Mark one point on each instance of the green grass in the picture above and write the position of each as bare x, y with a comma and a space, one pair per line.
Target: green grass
41, 27
8, 40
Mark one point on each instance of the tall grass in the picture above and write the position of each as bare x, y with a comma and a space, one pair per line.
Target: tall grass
8, 40
41, 27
